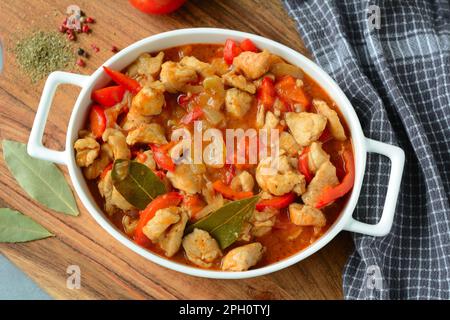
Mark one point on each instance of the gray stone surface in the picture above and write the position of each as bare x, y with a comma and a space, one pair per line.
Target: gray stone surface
14, 284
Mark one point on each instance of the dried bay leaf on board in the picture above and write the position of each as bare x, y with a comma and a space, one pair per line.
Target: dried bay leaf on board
42, 180
16, 227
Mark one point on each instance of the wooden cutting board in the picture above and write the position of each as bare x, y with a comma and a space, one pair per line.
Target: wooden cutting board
108, 269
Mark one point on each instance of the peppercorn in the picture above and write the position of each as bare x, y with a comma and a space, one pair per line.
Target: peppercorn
95, 48
81, 52
80, 62
85, 28
70, 35
62, 28
90, 20
114, 49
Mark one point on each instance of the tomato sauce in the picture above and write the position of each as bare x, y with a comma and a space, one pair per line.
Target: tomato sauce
285, 239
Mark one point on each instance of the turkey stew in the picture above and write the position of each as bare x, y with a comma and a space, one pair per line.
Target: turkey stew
183, 199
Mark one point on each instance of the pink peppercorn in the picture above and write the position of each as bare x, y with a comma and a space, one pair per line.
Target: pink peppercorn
85, 28
95, 48
90, 20
62, 28
80, 62
70, 35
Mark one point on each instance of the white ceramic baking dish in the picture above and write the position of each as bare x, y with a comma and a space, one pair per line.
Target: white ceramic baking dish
98, 79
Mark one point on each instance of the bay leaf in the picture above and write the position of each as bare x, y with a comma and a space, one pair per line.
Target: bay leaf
225, 224
16, 227
136, 182
42, 180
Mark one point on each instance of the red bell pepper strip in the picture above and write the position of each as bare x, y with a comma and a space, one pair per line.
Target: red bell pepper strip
97, 120
162, 159
192, 115
330, 194
123, 80
108, 96
229, 193
287, 89
160, 202
266, 93
276, 202
303, 165
248, 45
230, 51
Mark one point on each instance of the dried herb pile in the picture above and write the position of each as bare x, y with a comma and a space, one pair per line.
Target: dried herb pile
42, 53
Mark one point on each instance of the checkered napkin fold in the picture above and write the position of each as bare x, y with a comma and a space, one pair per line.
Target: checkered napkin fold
392, 59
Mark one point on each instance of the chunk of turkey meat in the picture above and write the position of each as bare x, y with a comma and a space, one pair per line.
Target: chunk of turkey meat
243, 182
203, 68
96, 168
201, 248
88, 150
304, 215
188, 177
262, 221
175, 77
113, 198
166, 228
134, 119
275, 175
219, 66
334, 124
239, 81
324, 177
162, 220
237, 102
316, 156
243, 258
305, 127
148, 101
170, 242
271, 120
253, 64
288, 143
147, 133
116, 139
146, 65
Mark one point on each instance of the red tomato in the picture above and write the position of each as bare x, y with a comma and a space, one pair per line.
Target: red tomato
97, 120
157, 6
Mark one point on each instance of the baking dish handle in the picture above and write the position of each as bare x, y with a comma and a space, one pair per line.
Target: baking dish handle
35, 147
397, 157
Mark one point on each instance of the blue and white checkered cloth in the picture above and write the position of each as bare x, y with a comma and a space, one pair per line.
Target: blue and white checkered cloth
397, 76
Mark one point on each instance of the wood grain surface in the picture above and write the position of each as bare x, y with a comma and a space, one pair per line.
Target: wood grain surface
108, 269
